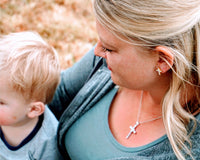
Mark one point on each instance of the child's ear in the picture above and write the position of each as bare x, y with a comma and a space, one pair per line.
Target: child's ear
166, 58
36, 109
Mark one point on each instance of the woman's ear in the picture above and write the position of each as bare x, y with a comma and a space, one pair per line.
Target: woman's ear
36, 109
165, 60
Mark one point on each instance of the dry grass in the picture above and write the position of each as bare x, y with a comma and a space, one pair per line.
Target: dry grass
68, 25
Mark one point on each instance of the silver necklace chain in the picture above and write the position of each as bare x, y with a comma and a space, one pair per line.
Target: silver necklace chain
137, 123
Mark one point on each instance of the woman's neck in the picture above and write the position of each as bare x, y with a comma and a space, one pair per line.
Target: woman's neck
151, 103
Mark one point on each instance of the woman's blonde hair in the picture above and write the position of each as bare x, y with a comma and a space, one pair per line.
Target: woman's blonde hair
31, 64
174, 24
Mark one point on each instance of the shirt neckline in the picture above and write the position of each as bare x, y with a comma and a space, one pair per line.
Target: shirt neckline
114, 141
27, 139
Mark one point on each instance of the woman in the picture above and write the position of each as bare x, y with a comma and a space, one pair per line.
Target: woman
150, 50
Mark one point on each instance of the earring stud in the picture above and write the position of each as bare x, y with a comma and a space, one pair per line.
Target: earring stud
159, 71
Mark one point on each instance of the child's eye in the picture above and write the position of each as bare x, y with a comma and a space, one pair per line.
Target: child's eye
106, 49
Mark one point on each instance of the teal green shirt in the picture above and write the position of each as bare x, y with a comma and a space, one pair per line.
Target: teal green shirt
90, 136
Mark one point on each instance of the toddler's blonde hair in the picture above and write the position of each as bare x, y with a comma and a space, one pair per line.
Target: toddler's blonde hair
31, 64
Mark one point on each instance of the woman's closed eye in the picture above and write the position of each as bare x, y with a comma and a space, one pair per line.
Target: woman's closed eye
106, 49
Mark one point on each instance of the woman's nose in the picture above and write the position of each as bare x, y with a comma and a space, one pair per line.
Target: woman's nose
99, 50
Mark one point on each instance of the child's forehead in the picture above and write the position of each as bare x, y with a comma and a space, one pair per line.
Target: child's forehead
8, 92
5, 84
4, 76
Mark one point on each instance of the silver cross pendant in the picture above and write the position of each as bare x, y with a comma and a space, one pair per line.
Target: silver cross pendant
132, 129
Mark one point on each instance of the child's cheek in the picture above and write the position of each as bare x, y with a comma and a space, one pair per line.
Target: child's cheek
6, 120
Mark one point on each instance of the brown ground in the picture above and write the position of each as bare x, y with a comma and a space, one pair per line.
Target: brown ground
68, 25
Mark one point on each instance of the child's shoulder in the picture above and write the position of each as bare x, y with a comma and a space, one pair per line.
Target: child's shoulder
46, 137
50, 122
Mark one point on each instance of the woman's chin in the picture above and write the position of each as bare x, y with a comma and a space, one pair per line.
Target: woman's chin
115, 80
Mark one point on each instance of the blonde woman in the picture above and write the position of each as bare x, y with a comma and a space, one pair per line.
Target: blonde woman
140, 99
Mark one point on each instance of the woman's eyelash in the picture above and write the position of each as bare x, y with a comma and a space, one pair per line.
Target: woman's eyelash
106, 49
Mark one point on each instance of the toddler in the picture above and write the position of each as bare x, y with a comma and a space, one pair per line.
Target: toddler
30, 72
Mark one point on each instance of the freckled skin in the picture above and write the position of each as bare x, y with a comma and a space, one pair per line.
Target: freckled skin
13, 107
6, 117
14, 117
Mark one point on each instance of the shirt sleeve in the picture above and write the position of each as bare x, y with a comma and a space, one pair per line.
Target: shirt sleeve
72, 80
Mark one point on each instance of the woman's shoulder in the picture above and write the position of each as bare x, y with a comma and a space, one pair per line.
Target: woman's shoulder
198, 117
197, 129
195, 138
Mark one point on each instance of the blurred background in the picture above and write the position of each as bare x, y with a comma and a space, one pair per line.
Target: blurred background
67, 25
